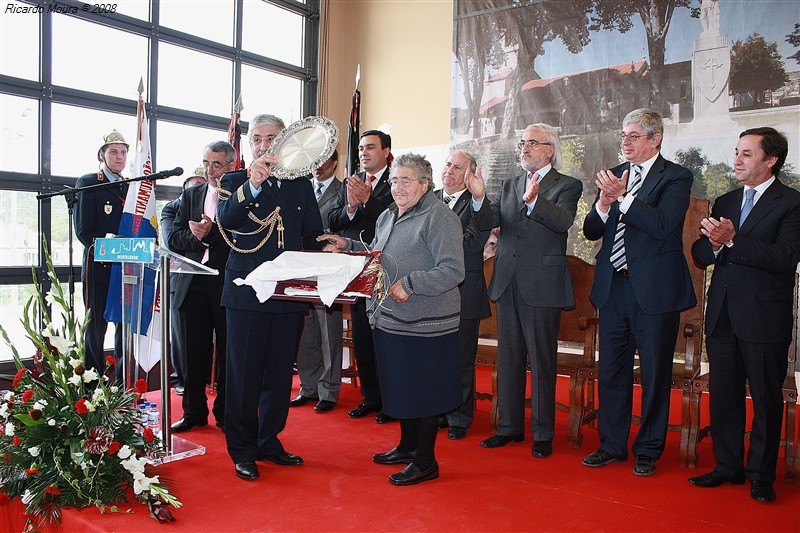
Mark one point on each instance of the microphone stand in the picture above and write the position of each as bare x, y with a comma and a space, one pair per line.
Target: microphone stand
70, 194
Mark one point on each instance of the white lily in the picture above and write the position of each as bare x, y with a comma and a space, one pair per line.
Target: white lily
34, 451
124, 452
142, 483
75, 379
90, 375
9, 429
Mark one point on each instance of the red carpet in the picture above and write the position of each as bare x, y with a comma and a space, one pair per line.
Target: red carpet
341, 489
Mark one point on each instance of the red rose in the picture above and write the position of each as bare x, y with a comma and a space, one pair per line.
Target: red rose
52, 489
27, 395
6, 456
113, 448
15, 441
80, 406
18, 376
148, 435
140, 386
110, 360
32, 471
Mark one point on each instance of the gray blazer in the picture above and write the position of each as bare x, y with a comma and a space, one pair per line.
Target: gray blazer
328, 201
534, 247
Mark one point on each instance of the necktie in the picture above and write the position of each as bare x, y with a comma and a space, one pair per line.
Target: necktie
447, 199
618, 258
371, 179
749, 195
320, 185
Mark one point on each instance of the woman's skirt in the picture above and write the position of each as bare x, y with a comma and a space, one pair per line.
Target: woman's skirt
419, 376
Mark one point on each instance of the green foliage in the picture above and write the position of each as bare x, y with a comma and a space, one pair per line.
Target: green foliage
794, 39
693, 159
756, 65
584, 248
67, 437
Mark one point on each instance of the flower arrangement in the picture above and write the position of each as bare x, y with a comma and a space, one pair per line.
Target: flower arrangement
67, 436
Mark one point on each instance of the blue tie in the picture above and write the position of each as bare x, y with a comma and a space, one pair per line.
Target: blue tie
319, 190
748, 205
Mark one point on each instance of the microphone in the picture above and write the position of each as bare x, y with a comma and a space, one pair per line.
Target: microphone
177, 171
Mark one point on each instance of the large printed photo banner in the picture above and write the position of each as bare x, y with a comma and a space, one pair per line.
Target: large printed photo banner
712, 68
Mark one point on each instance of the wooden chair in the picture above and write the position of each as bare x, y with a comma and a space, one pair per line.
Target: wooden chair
792, 454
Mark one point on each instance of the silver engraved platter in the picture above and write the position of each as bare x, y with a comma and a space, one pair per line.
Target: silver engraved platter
303, 147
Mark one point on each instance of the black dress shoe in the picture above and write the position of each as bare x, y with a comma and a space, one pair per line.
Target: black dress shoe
323, 406
456, 432
363, 410
762, 491
542, 449
714, 479
299, 400
601, 458
644, 465
443, 423
495, 441
411, 475
394, 457
247, 470
179, 390
283, 458
185, 425
383, 418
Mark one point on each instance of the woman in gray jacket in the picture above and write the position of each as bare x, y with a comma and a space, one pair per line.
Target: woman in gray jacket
416, 324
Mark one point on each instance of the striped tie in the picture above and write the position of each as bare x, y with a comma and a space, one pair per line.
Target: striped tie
319, 190
618, 258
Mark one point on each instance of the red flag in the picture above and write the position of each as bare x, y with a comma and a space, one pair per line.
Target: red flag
235, 135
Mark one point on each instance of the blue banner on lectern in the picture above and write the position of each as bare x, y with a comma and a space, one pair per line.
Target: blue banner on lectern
125, 250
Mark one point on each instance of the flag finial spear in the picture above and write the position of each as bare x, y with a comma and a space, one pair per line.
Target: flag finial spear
141, 87
358, 75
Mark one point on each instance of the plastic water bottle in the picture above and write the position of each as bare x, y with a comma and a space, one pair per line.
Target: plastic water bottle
152, 418
143, 416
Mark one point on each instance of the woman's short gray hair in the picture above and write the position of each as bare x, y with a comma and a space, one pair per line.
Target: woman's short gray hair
417, 163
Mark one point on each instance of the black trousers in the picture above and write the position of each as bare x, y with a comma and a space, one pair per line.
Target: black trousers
200, 319
95, 292
260, 357
365, 353
732, 363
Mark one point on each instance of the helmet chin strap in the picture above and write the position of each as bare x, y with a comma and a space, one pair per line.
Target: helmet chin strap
107, 169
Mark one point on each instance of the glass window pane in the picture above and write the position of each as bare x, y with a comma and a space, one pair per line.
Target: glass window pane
180, 145
210, 19
78, 135
139, 9
19, 149
115, 51
19, 228
19, 33
185, 81
270, 31
59, 246
267, 92
12, 305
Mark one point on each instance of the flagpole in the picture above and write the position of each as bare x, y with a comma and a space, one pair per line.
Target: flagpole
353, 127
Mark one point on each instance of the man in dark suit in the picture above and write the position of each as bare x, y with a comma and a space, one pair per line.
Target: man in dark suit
474, 301
168, 214
641, 285
98, 213
201, 319
266, 216
531, 285
753, 240
363, 198
319, 356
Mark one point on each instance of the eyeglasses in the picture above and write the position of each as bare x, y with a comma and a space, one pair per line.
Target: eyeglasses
632, 137
405, 182
531, 144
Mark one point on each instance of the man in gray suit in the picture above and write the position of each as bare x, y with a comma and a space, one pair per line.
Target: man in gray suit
531, 283
319, 356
